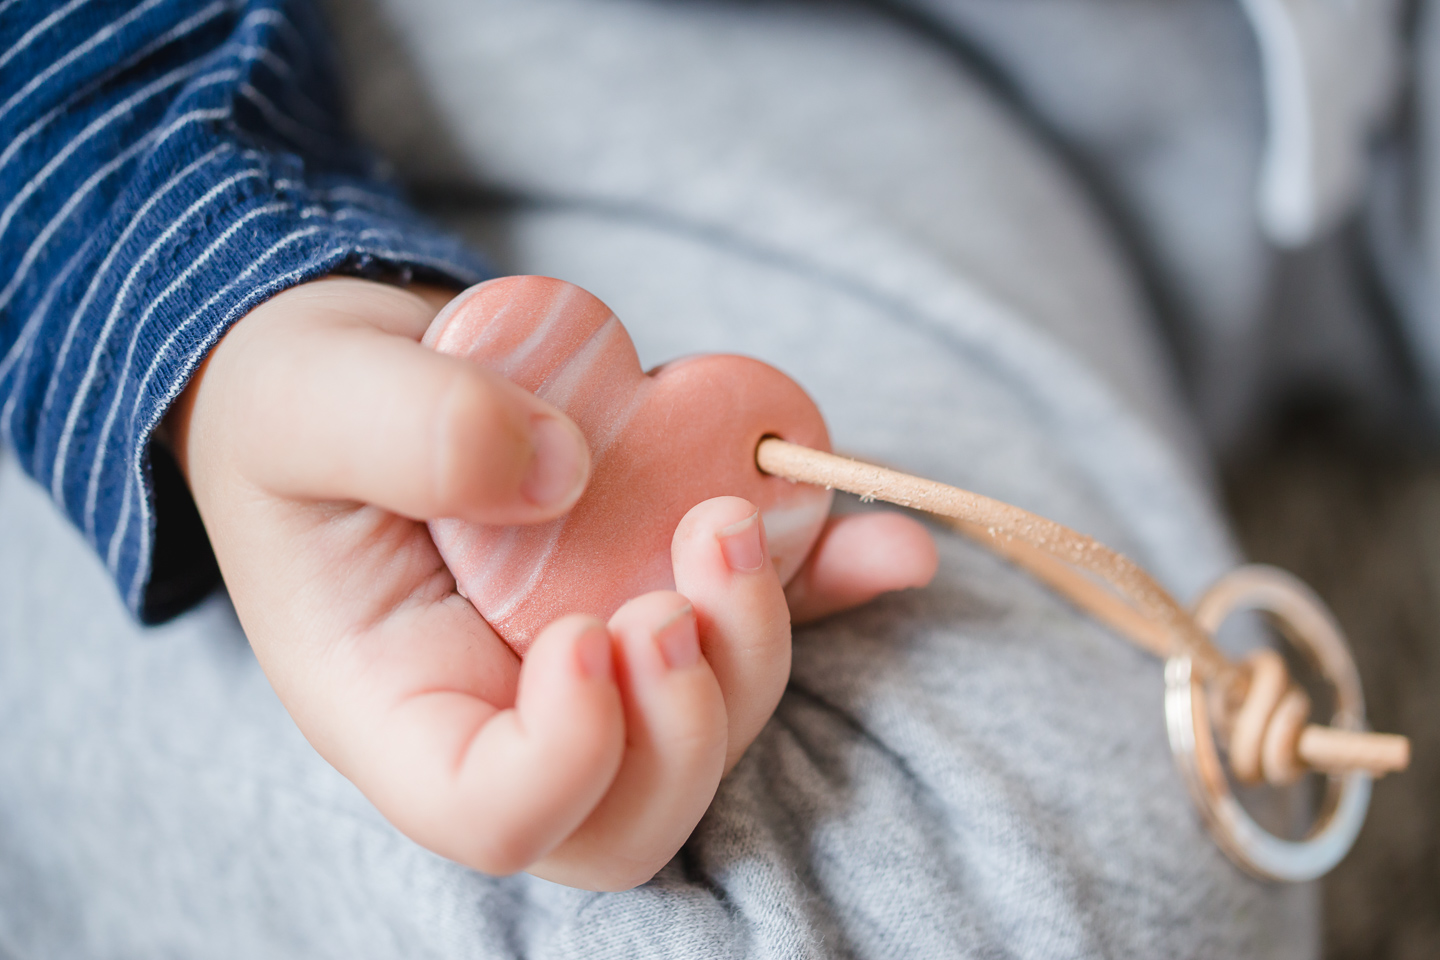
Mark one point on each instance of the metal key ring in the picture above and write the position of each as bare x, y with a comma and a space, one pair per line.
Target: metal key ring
1309, 625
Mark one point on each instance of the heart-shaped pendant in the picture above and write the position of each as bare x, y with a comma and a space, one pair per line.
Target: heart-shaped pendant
660, 443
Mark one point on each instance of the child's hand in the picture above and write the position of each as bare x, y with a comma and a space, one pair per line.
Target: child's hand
318, 439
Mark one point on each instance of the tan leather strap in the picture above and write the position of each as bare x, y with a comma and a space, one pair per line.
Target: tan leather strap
1263, 713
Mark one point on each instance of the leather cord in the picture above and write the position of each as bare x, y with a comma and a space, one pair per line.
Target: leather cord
1256, 707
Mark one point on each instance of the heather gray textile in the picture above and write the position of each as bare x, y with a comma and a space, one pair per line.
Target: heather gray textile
1162, 107
970, 770
1403, 215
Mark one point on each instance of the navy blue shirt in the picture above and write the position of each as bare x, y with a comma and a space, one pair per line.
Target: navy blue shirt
165, 165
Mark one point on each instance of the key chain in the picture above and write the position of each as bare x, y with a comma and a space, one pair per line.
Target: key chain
1264, 714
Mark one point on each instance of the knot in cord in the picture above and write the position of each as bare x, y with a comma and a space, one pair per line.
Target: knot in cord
1265, 729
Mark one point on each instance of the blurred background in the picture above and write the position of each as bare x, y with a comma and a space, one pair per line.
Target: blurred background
1359, 519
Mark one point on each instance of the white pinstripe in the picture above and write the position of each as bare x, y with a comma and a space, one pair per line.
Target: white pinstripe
283, 71
179, 30
22, 343
13, 355
13, 147
62, 449
18, 348
92, 491
95, 126
277, 19
273, 60
24, 137
294, 130
104, 267
245, 53
360, 213
175, 33
360, 195
41, 239
38, 29
8, 412
186, 26
134, 477
97, 38
270, 58
21, 348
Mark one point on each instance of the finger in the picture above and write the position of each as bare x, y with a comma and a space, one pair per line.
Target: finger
336, 405
857, 558
722, 565
674, 755
498, 790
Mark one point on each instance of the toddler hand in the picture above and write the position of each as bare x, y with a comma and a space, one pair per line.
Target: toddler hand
318, 439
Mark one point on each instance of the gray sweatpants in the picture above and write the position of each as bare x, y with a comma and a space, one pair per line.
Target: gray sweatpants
975, 769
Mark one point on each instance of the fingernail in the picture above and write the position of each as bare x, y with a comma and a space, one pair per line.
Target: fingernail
742, 546
558, 471
592, 652
678, 639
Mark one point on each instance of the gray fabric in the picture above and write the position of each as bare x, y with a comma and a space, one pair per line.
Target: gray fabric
1403, 222
1161, 104
1330, 73
970, 770
1162, 107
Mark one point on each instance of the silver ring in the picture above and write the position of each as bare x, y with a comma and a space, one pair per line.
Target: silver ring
1307, 624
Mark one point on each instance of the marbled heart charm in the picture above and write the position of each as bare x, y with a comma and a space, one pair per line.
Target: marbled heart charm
660, 442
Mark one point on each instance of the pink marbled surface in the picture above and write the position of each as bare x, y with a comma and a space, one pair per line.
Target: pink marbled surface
660, 443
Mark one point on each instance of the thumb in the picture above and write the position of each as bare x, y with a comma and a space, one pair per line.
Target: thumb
331, 405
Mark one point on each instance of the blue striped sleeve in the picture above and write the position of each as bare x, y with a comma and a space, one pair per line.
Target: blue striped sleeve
164, 167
